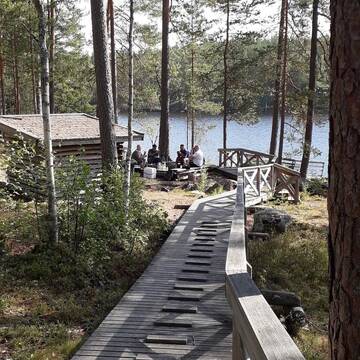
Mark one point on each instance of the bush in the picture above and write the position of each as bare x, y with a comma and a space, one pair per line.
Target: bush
316, 186
93, 227
93, 218
203, 180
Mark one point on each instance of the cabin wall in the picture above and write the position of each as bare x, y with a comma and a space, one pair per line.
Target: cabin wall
89, 153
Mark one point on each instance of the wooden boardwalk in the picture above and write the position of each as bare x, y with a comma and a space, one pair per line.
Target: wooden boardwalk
177, 308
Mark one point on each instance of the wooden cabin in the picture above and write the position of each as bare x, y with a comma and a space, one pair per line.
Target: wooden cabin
72, 134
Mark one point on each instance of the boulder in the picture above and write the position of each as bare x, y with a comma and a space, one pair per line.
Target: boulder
190, 187
270, 220
229, 185
213, 187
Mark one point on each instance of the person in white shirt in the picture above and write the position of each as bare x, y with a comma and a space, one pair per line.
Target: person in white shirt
196, 157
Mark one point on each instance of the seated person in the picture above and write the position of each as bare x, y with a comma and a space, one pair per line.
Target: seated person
137, 157
153, 155
181, 155
197, 157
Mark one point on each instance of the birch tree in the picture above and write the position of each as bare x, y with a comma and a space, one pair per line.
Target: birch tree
45, 100
130, 104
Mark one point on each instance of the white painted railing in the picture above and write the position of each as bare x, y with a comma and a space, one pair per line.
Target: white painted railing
267, 180
257, 332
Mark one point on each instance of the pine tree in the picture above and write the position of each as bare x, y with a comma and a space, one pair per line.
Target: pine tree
344, 191
105, 103
164, 120
311, 95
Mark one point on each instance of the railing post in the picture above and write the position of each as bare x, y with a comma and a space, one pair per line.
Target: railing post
297, 191
258, 180
220, 153
273, 179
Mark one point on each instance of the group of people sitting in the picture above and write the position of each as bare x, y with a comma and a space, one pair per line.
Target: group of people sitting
195, 158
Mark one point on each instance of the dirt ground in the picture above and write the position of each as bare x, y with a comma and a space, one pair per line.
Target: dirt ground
169, 194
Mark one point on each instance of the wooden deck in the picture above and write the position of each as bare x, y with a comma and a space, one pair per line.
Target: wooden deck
177, 308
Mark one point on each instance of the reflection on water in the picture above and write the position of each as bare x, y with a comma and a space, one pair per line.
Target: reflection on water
209, 135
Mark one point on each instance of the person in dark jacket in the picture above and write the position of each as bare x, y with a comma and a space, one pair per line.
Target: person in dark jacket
182, 154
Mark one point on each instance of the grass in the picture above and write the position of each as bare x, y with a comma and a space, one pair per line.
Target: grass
297, 261
39, 320
49, 302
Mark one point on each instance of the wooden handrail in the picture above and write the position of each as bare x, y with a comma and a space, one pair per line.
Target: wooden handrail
247, 150
240, 157
257, 332
285, 169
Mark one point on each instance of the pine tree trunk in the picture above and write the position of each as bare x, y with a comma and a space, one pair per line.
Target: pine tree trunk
50, 178
275, 117
113, 57
164, 120
225, 95
2, 76
51, 16
192, 82
2, 85
105, 103
33, 75
312, 84
192, 109
130, 107
17, 107
344, 175
283, 84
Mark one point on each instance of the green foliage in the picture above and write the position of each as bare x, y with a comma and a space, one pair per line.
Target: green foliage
203, 180
297, 261
72, 285
316, 186
93, 221
25, 166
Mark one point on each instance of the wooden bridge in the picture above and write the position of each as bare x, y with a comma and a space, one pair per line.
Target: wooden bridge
197, 300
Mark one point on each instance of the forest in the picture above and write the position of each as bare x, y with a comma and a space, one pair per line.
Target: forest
196, 59
72, 243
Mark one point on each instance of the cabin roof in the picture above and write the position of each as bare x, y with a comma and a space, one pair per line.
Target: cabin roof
65, 128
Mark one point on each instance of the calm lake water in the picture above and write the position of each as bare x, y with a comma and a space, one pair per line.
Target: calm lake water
209, 135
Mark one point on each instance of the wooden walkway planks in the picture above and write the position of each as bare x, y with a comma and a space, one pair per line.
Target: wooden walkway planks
177, 308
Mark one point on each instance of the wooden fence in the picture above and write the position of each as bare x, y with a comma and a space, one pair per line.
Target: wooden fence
315, 169
240, 157
257, 332
266, 181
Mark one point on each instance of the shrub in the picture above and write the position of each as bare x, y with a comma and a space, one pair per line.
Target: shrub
316, 186
203, 181
93, 227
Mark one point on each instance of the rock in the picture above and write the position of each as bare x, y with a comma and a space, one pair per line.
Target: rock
190, 187
229, 185
213, 187
270, 220
194, 177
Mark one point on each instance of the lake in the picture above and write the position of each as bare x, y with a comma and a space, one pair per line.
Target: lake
209, 135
